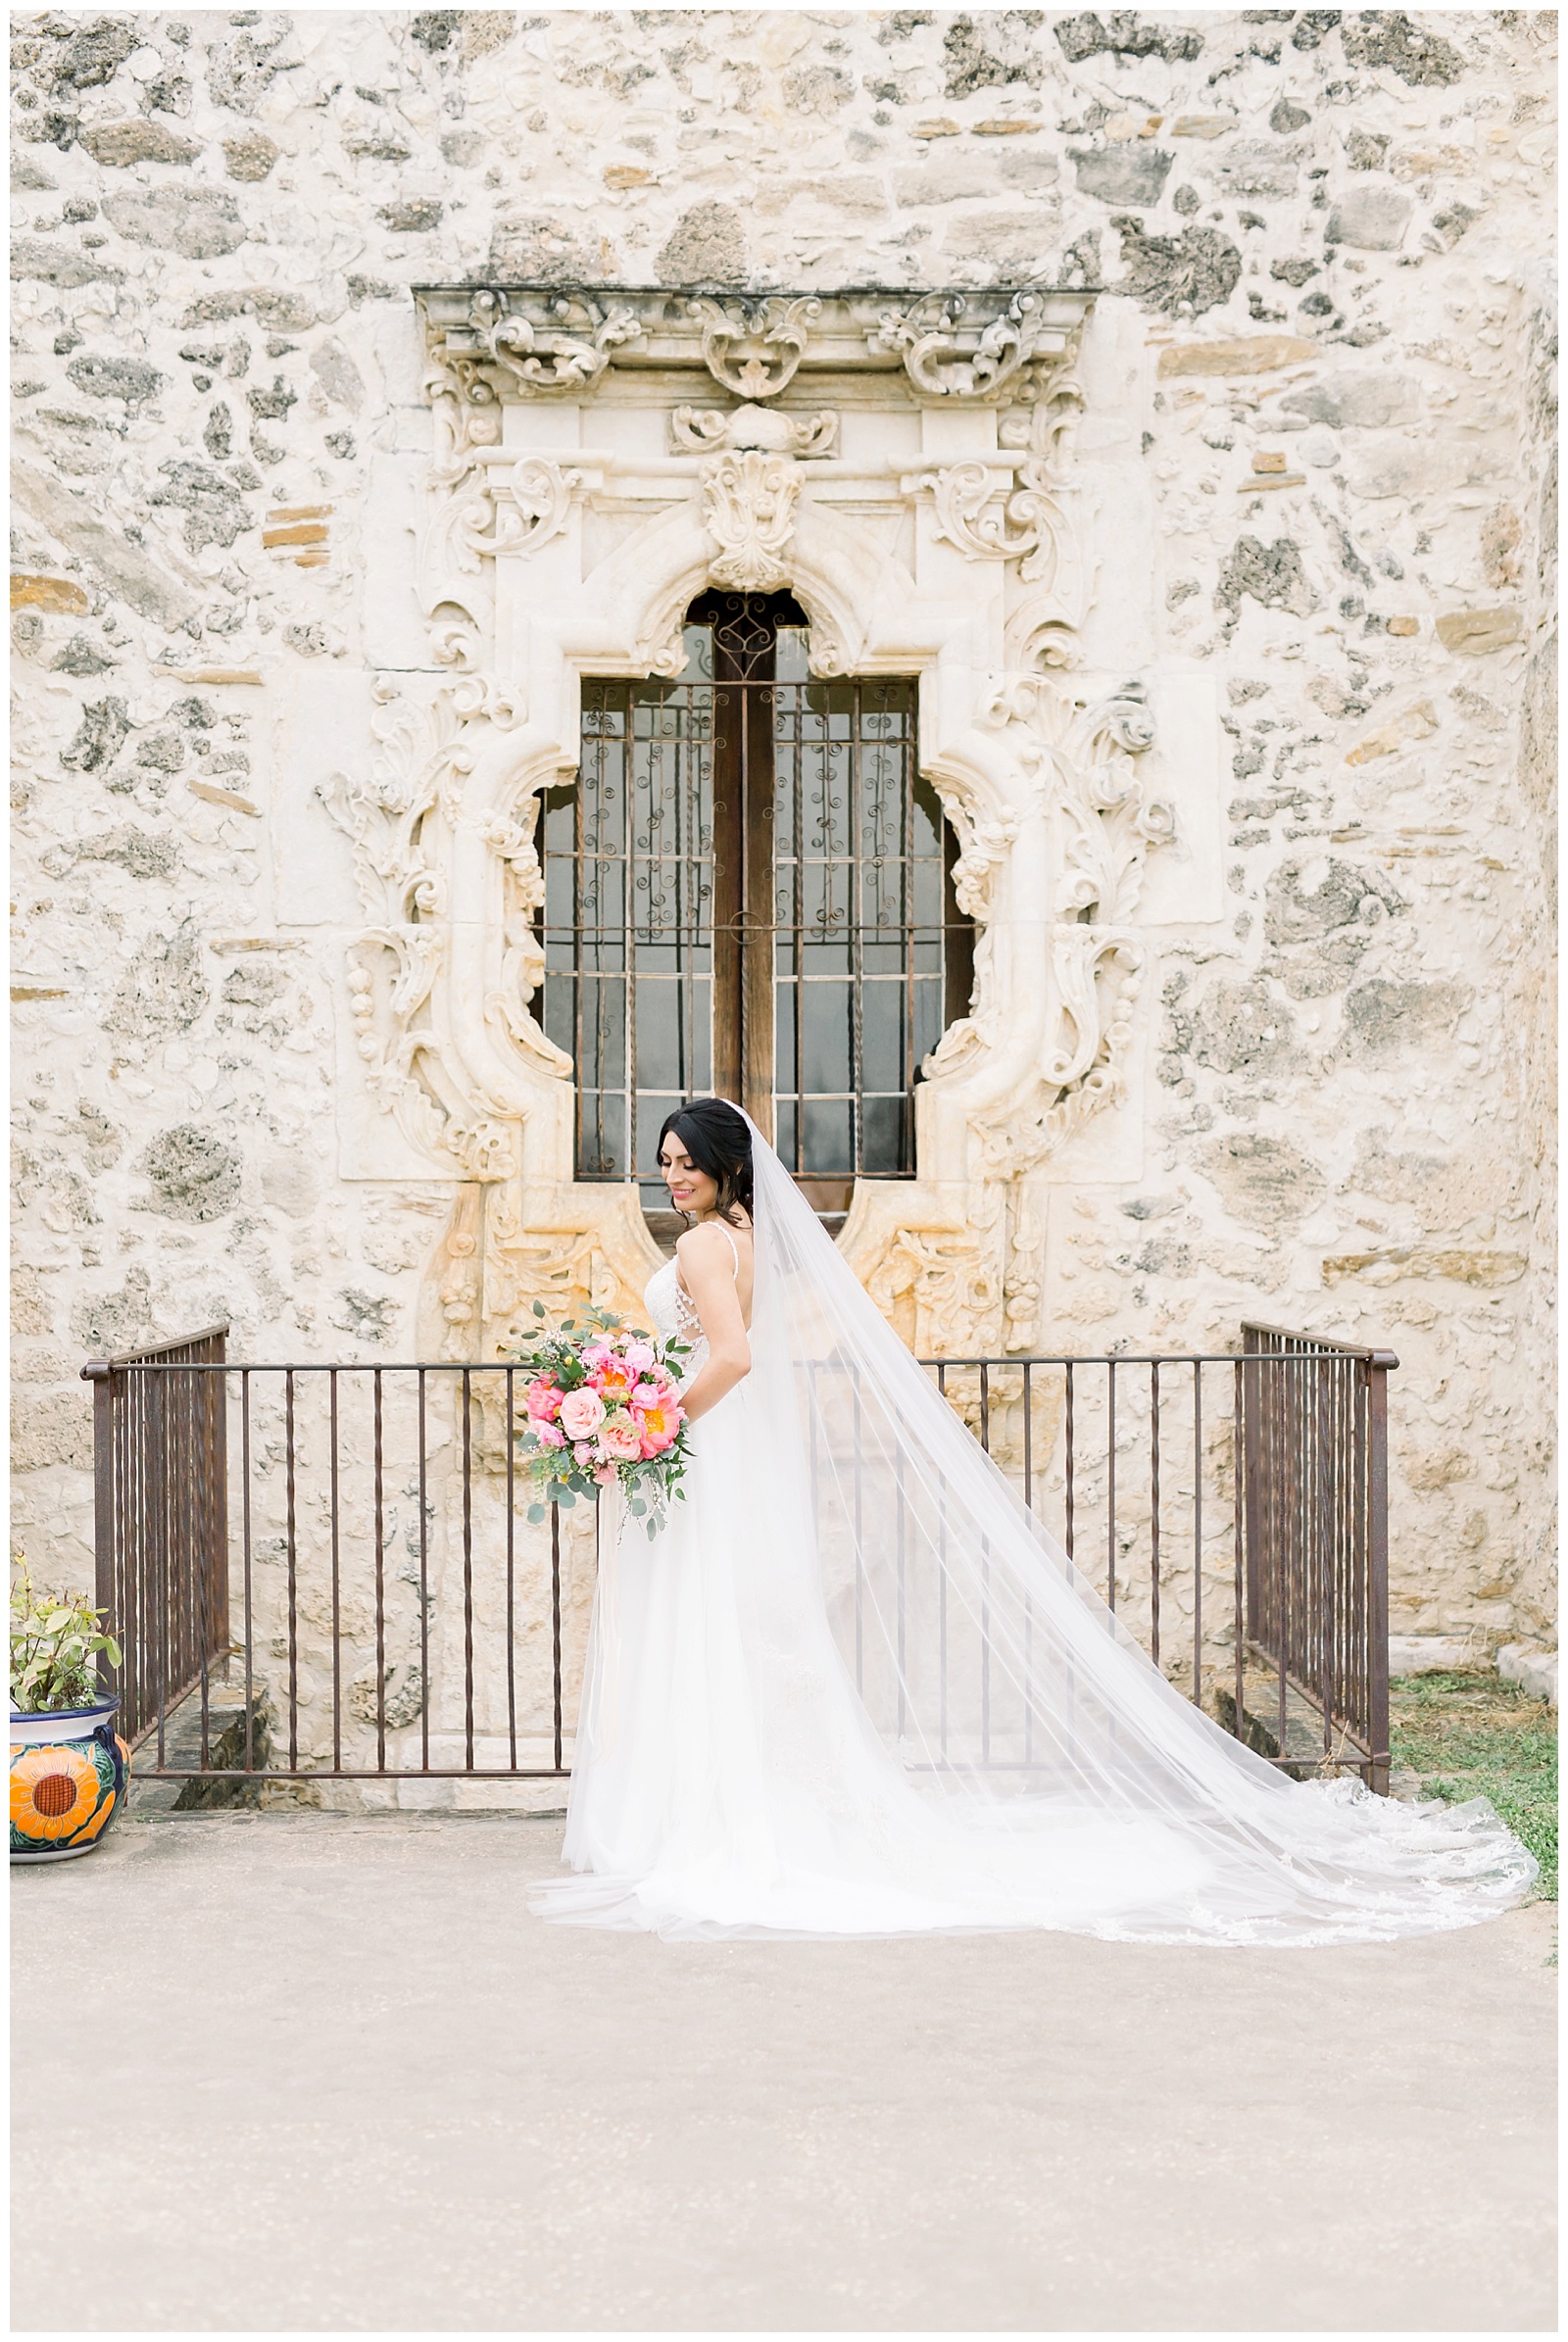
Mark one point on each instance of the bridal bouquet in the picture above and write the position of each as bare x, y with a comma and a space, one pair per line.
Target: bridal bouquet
600, 1406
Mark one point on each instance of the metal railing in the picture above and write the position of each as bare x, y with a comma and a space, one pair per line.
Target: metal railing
398, 1619
161, 1517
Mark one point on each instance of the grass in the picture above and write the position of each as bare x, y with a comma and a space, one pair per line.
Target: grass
1471, 1734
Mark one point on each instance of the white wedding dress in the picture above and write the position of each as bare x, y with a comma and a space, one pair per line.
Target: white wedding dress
852, 1688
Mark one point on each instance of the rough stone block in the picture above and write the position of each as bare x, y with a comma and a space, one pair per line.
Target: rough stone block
1477, 632
1372, 219
1433, 1654
1533, 1671
1121, 173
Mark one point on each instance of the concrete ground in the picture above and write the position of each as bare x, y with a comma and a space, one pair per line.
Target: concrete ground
302, 2072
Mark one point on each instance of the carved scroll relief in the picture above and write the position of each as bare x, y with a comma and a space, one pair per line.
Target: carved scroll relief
749, 504
1106, 819
413, 794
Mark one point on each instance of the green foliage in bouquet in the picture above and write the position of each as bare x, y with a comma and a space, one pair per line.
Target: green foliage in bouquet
55, 1642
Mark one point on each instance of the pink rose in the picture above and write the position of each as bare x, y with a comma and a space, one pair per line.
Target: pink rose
582, 1414
543, 1401
620, 1438
550, 1435
649, 1395
640, 1356
583, 1452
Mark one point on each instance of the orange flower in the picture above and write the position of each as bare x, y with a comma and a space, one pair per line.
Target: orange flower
53, 1792
99, 1819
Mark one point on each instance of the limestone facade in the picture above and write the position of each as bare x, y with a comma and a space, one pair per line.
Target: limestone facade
1194, 451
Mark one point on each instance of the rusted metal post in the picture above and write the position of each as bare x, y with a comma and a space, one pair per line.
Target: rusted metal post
106, 1592
1379, 1367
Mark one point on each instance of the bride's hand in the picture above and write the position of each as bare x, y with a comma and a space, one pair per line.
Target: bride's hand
708, 1272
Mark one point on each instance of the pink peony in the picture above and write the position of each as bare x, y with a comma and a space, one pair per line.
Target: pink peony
620, 1438
550, 1435
543, 1399
640, 1356
582, 1414
659, 1427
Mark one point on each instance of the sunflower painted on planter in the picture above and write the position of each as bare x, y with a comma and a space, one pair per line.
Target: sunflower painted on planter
69, 1765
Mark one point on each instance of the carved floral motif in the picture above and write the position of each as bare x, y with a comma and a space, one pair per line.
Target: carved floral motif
749, 506
546, 362
757, 353
946, 358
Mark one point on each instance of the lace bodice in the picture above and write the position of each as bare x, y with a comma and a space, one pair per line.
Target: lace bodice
675, 1313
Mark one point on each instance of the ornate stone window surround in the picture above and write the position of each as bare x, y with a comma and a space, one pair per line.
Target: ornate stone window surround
903, 466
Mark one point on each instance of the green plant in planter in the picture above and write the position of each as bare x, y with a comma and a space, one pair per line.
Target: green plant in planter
54, 1644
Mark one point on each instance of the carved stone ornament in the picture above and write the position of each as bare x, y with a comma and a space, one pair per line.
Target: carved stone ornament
394, 819
757, 353
950, 355
1106, 821
990, 519
986, 346
748, 502
692, 427
564, 361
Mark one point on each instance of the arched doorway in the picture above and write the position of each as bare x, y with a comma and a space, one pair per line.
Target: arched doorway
749, 888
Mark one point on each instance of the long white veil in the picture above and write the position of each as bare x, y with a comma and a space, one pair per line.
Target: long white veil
1059, 1779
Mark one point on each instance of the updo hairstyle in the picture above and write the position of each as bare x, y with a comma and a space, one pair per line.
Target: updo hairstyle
720, 1142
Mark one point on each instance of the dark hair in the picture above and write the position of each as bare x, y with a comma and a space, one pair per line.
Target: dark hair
720, 1142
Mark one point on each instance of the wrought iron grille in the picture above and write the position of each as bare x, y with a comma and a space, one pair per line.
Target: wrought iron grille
749, 888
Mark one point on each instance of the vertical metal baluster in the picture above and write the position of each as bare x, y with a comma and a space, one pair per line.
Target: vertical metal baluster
942, 1581
854, 887
333, 1492
554, 1621
1286, 1546
1111, 1484
196, 1541
378, 1506
246, 1548
467, 1402
1237, 1496
166, 1596
292, 1535
512, 1558
1153, 1511
1378, 1566
1197, 1532
985, 1583
425, 1582
1028, 1595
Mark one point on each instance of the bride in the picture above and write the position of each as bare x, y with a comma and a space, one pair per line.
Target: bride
852, 1689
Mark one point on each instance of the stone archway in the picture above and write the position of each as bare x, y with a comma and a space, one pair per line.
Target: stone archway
904, 469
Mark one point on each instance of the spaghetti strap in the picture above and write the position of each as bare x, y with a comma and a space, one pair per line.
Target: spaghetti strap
734, 1253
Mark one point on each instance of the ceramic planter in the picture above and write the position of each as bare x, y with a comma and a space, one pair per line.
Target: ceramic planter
69, 1770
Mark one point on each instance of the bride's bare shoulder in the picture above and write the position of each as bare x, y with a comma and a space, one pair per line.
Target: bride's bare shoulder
711, 1240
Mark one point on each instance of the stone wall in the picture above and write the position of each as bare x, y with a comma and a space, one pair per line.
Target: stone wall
1316, 460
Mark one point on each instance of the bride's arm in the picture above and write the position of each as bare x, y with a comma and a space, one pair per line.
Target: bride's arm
708, 1270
